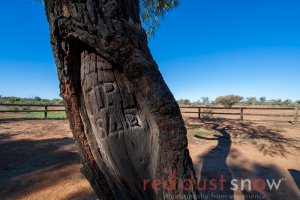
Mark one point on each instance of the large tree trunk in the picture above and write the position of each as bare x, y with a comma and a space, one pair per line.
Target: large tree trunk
123, 116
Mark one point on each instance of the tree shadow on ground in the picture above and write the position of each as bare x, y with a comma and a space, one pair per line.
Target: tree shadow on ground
18, 158
296, 176
242, 168
269, 141
82, 195
214, 165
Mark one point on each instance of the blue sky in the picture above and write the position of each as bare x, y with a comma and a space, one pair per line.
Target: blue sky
203, 48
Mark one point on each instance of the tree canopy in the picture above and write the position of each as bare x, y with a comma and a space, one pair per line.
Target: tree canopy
229, 100
151, 11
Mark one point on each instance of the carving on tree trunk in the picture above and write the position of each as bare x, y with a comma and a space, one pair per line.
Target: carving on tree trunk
124, 119
119, 128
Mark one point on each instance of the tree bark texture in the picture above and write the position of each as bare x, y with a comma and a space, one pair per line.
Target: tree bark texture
124, 118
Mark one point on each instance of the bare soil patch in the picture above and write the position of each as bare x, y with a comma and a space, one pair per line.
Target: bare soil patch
247, 150
39, 160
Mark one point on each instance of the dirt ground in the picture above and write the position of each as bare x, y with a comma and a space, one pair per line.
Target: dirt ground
247, 150
39, 160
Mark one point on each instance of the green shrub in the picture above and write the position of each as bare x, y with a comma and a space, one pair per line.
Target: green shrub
251, 101
229, 100
183, 102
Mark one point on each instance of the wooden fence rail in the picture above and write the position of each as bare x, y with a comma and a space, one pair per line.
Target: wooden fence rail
45, 109
198, 110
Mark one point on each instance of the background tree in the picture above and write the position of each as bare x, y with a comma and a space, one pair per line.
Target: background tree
184, 102
152, 10
196, 103
262, 100
251, 100
205, 100
275, 102
124, 118
36, 98
287, 102
228, 101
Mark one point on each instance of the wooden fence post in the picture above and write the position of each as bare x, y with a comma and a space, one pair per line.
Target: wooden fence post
199, 113
242, 114
46, 112
296, 114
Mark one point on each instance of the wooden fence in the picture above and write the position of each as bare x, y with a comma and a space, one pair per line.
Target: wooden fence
41, 108
199, 110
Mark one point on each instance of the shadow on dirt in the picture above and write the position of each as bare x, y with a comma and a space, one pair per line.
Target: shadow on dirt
214, 163
82, 195
287, 188
296, 176
269, 141
19, 158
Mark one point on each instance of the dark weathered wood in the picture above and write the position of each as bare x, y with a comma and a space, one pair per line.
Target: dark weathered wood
124, 118
46, 112
242, 114
296, 117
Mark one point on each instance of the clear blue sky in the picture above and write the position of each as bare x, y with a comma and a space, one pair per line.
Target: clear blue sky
203, 48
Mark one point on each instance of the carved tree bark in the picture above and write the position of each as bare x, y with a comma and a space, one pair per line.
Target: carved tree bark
123, 116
